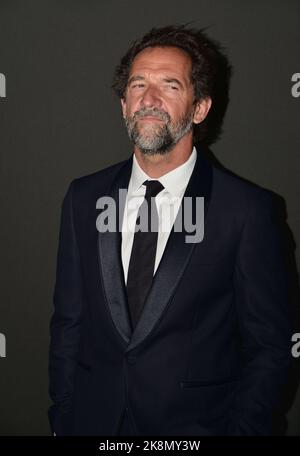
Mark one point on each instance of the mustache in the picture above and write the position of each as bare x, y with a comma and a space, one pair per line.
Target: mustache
151, 112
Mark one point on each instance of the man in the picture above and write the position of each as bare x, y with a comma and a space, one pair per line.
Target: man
152, 334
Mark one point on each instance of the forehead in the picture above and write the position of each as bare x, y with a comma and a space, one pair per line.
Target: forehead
162, 59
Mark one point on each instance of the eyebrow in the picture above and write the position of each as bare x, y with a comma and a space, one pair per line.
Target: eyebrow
141, 78
135, 78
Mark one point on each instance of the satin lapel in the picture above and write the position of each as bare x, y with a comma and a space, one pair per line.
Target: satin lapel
174, 260
110, 262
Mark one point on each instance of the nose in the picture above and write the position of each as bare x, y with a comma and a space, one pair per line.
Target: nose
151, 97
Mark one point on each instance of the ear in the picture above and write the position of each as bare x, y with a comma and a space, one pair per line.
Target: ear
202, 109
123, 104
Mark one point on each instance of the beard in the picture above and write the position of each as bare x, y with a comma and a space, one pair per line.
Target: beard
154, 137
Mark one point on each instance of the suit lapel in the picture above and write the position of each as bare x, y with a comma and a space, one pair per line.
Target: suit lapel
110, 260
170, 270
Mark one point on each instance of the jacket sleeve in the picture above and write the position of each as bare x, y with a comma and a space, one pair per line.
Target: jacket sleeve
261, 292
65, 322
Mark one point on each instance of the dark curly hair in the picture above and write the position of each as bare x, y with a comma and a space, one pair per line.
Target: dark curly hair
210, 74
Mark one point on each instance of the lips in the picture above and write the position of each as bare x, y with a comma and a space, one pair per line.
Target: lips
151, 118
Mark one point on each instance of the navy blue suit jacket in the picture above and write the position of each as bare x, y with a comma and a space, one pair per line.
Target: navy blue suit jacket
211, 351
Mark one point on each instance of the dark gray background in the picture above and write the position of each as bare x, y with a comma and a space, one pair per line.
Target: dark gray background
60, 120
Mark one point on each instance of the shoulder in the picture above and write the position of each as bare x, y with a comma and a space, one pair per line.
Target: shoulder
104, 175
96, 182
238, 195
83, 191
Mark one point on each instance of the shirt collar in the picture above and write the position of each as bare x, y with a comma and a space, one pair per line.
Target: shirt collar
174, 181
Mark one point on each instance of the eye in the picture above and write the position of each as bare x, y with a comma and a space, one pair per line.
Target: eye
137, 85
171, 87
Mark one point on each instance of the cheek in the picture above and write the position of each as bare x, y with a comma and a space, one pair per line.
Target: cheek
131, 107
175, 105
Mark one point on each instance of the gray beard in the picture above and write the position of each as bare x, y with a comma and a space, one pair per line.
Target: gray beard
156, 138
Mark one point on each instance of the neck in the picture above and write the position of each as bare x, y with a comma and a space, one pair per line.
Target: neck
157, 165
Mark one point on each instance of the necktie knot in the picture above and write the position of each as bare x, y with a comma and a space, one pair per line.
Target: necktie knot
153, 187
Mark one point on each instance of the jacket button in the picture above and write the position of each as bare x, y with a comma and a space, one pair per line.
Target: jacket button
131, 359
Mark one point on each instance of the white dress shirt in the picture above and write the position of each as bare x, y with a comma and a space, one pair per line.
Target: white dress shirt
167, 201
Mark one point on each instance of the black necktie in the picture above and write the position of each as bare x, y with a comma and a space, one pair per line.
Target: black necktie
142, 259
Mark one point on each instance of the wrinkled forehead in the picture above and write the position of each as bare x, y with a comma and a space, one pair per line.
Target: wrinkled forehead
157, 60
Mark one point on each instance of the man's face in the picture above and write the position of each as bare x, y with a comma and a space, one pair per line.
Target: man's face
158, 105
